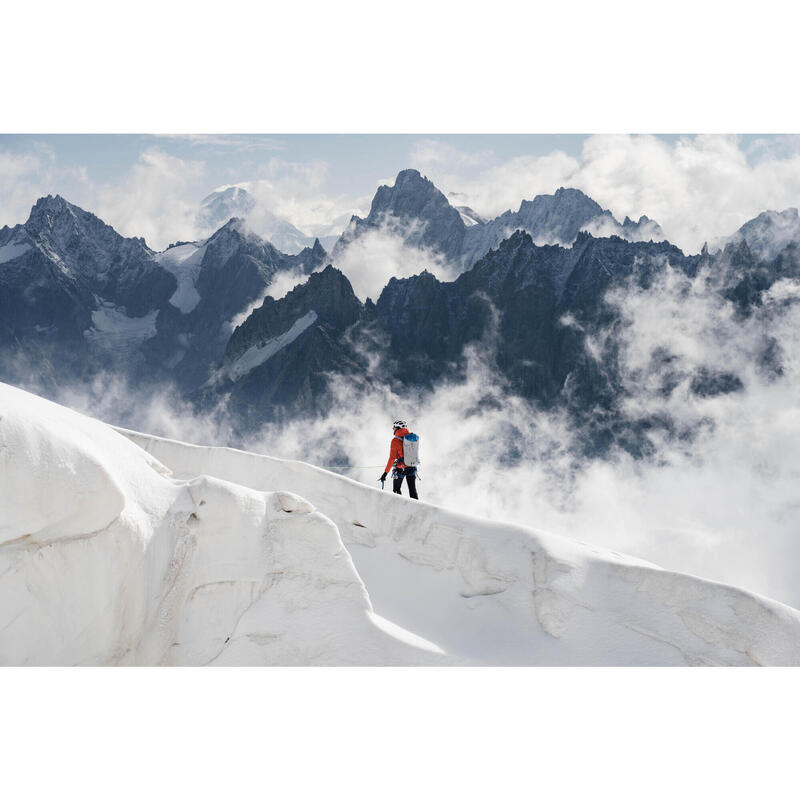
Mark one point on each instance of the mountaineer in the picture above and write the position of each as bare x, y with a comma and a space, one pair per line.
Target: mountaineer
403, 459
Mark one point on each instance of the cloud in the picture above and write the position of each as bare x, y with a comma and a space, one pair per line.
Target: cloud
154, 198
379, 254
25, 177
698, 188
433, 154
151, 199
295, 191
242, 143
21, 178
283, 282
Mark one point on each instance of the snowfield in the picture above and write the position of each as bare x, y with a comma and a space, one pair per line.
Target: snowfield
122, 548
184, 262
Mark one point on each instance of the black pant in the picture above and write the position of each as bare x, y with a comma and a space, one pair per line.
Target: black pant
410, 474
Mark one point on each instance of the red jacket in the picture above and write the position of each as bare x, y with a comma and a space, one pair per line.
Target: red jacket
396, 449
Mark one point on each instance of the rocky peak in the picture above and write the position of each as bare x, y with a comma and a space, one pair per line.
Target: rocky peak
559, 216
50, 213
318, 251
331, 295
412, 196
227, 240
78, 238
327, 293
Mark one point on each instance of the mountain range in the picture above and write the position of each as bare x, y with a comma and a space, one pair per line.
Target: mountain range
77, 299
418, 212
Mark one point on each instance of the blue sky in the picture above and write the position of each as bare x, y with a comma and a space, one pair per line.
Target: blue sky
697, 187
356, 161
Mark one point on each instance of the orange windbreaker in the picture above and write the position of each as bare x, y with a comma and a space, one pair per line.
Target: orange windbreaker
396, 449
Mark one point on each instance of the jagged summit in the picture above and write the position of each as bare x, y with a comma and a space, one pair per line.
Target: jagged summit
53, 215
50, 202
317, 249
415, 210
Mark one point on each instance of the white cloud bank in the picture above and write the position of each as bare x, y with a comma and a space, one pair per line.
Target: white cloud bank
152, 199
698, 188
379, 254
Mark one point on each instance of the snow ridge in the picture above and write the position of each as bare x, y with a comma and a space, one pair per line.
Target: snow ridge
123, 548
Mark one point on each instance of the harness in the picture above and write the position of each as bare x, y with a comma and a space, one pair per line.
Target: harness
398, 462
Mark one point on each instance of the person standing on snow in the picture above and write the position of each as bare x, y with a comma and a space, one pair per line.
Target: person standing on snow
395, 462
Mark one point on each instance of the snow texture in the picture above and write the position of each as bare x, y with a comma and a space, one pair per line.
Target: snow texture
114, 331
184, 262
123, 548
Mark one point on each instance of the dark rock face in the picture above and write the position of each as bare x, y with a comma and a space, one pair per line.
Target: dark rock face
415, 209
117, 269
56, 271
531, 307
302, 341
542, 301
327, 293
561, 215
236, 270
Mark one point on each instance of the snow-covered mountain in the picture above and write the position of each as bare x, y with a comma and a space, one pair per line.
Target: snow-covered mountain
219, 206
73, 292
235, 201
123, 548
414, 209
76, 296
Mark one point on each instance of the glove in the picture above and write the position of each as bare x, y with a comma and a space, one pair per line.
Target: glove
382, 477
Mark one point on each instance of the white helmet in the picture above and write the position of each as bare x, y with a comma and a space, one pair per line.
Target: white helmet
399, 423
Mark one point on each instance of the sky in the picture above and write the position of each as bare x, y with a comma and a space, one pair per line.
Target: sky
697, 187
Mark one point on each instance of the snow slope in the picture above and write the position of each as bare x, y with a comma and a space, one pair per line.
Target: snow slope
114, 331
259, 353
184, 262
106, 559
132, 549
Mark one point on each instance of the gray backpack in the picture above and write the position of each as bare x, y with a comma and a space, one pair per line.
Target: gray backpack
411, 450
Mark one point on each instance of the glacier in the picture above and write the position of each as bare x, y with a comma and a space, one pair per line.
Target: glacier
184, 262
122, 548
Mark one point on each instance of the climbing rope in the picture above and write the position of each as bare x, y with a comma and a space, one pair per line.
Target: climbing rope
339, 466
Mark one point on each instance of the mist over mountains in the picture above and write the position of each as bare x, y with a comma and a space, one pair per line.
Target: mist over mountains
606, 386
235, 201
532, 288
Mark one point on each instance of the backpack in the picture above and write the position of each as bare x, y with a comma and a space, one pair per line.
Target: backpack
411, 450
